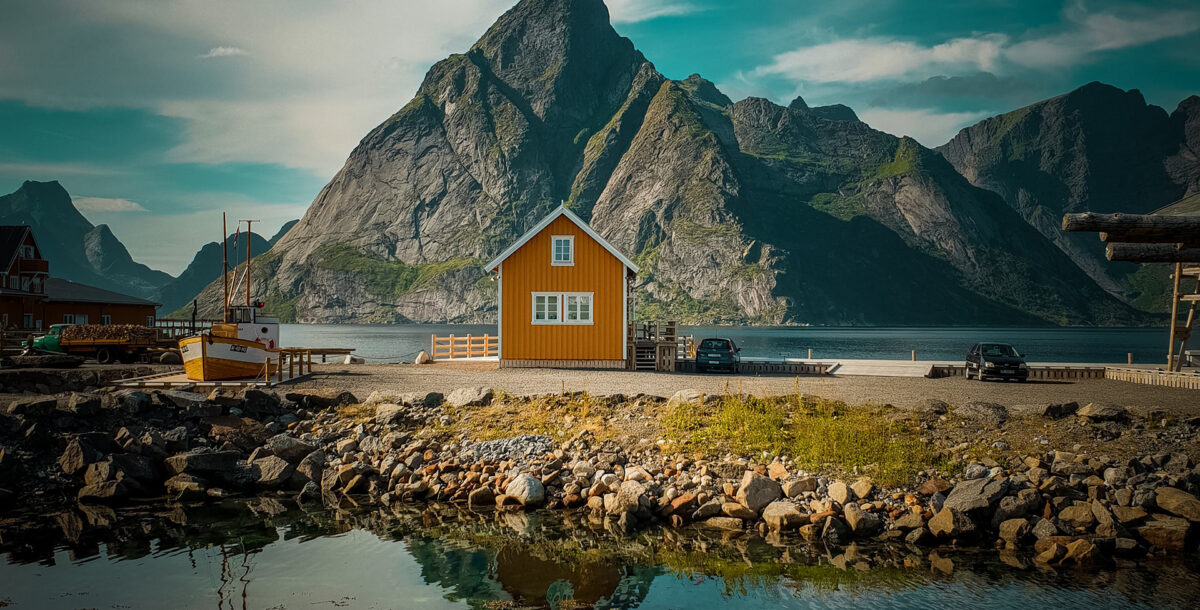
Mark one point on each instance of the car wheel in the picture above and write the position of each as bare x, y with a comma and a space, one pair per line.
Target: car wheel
104, 356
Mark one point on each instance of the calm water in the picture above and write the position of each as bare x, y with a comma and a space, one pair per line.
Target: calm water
272, 555
394, 343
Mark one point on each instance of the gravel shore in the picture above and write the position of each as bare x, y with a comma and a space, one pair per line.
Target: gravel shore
902, 392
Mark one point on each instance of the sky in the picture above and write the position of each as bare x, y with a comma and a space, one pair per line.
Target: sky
158, 115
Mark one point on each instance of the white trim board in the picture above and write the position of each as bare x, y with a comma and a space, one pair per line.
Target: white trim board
545, 222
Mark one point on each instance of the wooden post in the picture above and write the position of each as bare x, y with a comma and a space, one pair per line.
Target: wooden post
1129, 357
267, 370
810, 353
1174, 317
914, 355
291, 365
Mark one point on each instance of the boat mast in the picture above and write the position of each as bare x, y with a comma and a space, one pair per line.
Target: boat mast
248, 223
225, 266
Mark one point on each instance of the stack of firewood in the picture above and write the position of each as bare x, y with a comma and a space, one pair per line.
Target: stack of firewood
109, 332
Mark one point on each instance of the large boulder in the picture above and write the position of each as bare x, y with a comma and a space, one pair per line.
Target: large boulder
1164, 532
840, 492
190, 404
861, 522
202, 461
103, 492
951, 523
32, 406
1098, 411
83, 450
289, 447
780, 516
470, 397
984, 413
757, 491
682, 397
1178, 502
272, 471
629, 498
80, 404
976, 494
185, 487
388, 414
526, 489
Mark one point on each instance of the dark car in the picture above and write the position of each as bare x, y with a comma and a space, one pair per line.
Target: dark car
714, 354
996, 361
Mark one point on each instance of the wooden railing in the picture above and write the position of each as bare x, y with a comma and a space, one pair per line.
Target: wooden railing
175, 329
470, 346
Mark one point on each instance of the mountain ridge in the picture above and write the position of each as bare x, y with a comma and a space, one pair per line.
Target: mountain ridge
745, 212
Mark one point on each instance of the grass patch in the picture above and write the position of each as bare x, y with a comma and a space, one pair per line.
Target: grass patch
818, 434
387, 279
558, 416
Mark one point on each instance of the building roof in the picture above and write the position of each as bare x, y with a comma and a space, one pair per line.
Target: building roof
545, 222
60, 290
11, 238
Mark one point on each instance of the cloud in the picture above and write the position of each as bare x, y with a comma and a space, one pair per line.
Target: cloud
1083, 37
633, 11
223, 52
104, 204
54, 170
942, 89
927, 126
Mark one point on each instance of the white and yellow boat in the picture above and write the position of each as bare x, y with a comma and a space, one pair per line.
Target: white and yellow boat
240, 346
231, 350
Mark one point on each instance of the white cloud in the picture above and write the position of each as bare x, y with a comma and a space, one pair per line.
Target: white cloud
929, 127
1084, 36
54, 171
223, 52
632, 11
104, 204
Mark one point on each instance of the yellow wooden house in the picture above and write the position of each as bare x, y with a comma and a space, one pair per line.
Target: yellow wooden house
563, 297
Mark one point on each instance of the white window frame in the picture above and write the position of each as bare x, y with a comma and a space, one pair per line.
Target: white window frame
68, 318
554, 239
151, 322
105, 319
560, 309
81, 318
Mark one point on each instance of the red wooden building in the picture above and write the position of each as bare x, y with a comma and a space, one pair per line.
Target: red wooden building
31, 300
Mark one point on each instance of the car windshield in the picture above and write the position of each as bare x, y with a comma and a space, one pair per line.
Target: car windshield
715, 344
999, 350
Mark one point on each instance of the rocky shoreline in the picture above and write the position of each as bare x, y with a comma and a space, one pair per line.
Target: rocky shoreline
1055, 508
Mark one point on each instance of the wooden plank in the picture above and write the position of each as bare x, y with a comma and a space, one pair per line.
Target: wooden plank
1151, 253
1143, 226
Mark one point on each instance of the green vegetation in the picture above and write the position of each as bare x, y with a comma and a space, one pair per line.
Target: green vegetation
908, 157
279, 305
387, 279
688, 310
817, 433
704, 234
1154, 288
840, 206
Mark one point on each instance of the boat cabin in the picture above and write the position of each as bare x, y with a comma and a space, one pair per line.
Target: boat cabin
563, 297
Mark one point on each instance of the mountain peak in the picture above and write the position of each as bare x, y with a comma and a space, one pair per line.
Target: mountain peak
798, 104
557, 54
704, 90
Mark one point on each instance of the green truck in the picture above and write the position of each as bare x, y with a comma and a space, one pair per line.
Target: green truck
106, 343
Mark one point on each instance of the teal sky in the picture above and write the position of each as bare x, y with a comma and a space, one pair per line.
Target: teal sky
157, 116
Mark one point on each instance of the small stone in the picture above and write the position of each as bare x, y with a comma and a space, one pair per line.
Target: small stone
862, 488
470, 397
1129, 514
862, 522
1099, 412
933, 486
736, 510
289, 447
1013, 530
795, 487
482, 496
1080, 515
909, 521
725, 523
977, 494
777, 471
272, 471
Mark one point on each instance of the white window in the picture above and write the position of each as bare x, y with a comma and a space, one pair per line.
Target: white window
563, 250
546, 308
37, 325
149, 320
81, 318
105, 319
68, 318
27, 321
14, 282
26, 251
562, 307
578, 309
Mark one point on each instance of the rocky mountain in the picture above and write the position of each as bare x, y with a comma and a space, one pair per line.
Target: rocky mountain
204, 269
287, 226
1098, 149
736, 212
77, 250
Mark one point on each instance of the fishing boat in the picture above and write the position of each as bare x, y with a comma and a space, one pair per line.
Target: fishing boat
241, 345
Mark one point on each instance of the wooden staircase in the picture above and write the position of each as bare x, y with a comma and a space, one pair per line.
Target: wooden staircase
1182, 300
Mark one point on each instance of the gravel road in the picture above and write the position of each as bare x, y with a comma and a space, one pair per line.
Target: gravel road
898, 391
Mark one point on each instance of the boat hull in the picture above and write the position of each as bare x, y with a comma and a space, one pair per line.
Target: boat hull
214, 358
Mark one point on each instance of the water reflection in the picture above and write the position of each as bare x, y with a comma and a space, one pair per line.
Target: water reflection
263, 553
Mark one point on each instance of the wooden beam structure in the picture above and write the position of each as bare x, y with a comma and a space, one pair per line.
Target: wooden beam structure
1154, 238
1151, 253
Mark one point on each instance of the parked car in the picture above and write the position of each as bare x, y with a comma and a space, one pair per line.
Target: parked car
996, 361
714, 354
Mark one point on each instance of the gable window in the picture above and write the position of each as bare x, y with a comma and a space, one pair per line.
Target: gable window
562, 308
26, 251
563, 250
14, 282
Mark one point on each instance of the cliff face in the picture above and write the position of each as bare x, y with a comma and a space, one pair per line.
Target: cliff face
737, 212
1098, 149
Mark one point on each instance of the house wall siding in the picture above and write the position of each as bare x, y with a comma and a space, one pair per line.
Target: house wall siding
528, 270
